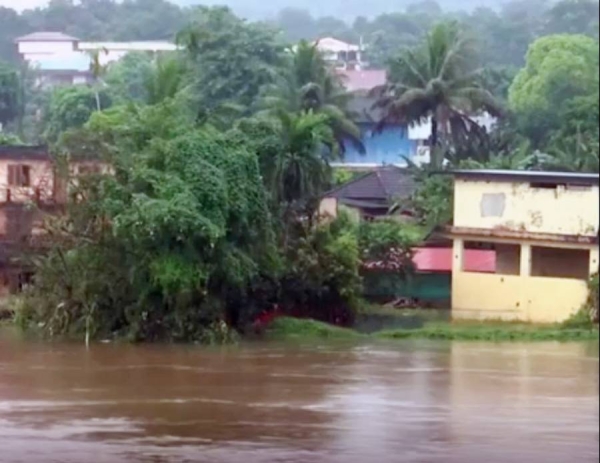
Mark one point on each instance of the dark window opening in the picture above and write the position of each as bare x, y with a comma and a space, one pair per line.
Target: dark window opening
560, 263
19, 175
546, 185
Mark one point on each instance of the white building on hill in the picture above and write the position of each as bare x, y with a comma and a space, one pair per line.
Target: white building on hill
62, 59
344, 55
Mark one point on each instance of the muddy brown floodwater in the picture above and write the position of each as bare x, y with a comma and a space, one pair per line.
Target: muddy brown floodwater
374, 403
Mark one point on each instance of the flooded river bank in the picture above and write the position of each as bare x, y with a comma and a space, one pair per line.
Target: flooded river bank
411, 401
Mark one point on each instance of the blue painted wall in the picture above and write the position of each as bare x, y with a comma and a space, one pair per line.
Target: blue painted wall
386, 147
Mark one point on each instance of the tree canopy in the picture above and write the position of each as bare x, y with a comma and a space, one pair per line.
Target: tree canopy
436, 81
10, 94
232, 59
559, 69
71, 107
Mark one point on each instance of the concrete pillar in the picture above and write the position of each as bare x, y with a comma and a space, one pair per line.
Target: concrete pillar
525, 260
457, 255
594, 258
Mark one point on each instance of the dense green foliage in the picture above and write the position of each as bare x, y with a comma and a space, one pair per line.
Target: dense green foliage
9, 139
154, 247
232, 59
219, 153
71, 107
307, 85
506, 31
10, 94
547, 92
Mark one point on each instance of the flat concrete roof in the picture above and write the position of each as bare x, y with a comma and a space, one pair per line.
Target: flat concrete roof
24, 152
46, 37
526, 176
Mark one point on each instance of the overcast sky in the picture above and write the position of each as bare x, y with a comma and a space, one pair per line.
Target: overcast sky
22, 4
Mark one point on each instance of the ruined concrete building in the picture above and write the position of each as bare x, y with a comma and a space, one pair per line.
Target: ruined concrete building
30, 189
544, 229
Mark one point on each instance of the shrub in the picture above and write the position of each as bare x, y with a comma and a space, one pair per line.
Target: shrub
322, 277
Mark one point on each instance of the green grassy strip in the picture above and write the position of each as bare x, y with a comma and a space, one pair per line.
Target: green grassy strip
509, 332
295, 328
291, 328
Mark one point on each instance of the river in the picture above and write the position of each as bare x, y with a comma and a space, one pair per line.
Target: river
414, 401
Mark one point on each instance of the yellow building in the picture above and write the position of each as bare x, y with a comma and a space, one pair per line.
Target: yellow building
544, 229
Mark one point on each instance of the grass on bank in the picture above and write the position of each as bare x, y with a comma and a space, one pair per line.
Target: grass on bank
285, 328
288, 328
492, 332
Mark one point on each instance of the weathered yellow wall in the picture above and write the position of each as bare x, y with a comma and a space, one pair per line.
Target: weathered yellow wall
478, 296
523, 297
41, 176
517, 206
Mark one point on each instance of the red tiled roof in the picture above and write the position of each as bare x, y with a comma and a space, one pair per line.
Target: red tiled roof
366, 79
440, 260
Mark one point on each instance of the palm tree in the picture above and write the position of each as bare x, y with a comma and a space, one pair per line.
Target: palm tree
165, 80
574, 154
98, 70
308, 84
437, 82
301, 171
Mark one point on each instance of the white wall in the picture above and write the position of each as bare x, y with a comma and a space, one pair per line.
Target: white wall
45, 48
423, 131
109, 51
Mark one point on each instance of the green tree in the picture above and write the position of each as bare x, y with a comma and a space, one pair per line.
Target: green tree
188, 216
10, 92
579, 154
300, 171
12, 25
519, 23
9, 139
436, 81
230, 59
127, 78
308, 84
497, 80
388, 33
559, 69
165, 79
573, 17
71, 107
296, 24
98, 70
